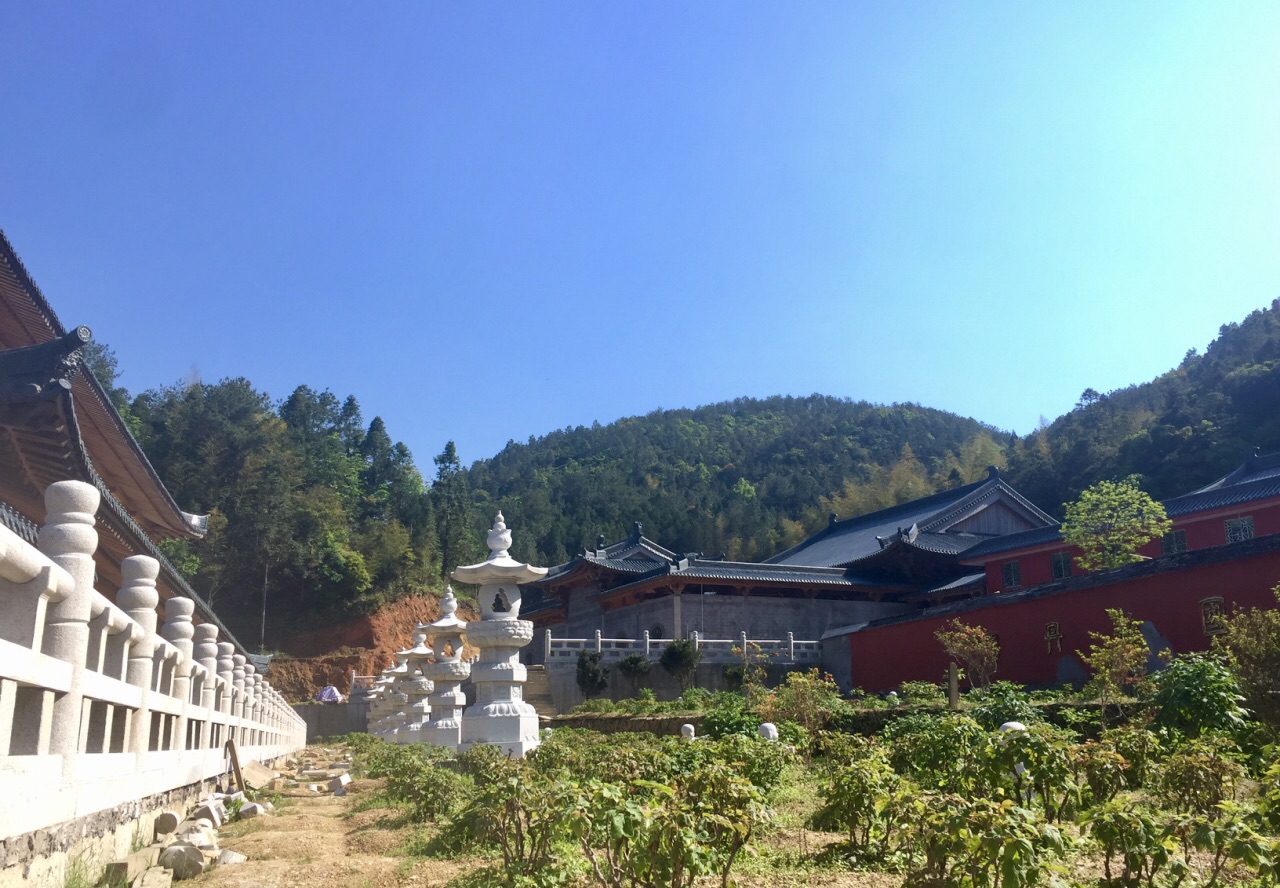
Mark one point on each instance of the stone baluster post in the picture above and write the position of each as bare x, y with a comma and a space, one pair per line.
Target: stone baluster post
546, 645
251, 680
226, 669
791, 647
178, 631
205, 651
138, 598
69, 539
646, 644
238, 683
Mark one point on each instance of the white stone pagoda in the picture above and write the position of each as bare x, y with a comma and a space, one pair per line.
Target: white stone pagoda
499, 714
448, 672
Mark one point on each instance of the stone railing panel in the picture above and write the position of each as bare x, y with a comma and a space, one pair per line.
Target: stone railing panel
100, 704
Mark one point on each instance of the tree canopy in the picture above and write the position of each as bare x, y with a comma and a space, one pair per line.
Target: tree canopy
1111, 521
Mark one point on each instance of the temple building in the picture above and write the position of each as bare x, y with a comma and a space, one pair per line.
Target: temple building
57, 423
892, 561
875, 588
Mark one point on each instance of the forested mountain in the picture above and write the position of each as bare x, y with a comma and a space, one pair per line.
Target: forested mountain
744, 478
1179, 431
325, 514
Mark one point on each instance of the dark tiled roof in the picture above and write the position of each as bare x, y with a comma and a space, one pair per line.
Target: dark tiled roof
625, 556
1182, 561
1039, 537
1258, 478
959, 583
715, 571
844, 542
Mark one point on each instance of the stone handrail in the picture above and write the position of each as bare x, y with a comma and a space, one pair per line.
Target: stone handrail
782, 651
103, 703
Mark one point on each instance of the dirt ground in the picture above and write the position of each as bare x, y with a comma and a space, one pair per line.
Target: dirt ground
312, 842
323, 841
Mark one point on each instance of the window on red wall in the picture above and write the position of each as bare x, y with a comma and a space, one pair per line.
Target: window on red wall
1239, 529
1011, 573
1061, 564
1174, 543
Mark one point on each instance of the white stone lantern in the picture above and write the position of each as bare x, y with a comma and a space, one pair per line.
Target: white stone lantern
499, 714
416, 686
448, 672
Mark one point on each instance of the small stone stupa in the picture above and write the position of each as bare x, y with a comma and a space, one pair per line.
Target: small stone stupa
416, 686
499, 714
448, 672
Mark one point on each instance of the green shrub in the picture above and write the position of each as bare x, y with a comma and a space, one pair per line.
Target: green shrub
957, 842
861, 800
1002, 702
734, 719
654, 835
591, 676
1099, 772
1134, 843
1198, 693
1198, 777
1140, 748
922, 692
680, 659
938, 751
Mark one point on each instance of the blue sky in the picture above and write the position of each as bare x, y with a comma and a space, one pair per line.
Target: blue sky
491, 220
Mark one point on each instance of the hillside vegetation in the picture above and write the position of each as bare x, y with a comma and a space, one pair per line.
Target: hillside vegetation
324, 515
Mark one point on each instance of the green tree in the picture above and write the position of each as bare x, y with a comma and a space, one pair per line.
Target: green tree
452, 510
592, 676
1252, 640
680, 659
1117, 660
1111, 521
974, 648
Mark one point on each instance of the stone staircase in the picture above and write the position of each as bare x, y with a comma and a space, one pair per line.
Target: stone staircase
537, 691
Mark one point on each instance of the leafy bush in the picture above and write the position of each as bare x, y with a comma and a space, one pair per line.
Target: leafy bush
420, 776
972, 647
862, 799
522, 814
1252, 639
807, 698
937, 751
653, 835
1099, 772
591, 676
1117, 660
1198, 693
680, 659
731, 719
1198, 777
922, 692
1003, 702
1140, 748
1134, 844
957, 842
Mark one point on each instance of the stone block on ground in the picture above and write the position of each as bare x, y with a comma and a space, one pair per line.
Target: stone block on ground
251, 809
213, 811
167, 822
183, 860
257, 776
120, 872
156, 877
340, 781
230, 858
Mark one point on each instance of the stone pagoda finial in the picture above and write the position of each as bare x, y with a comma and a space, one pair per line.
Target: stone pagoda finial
499, 539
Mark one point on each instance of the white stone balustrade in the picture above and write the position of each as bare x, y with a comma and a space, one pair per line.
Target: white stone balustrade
101, 703
783, 651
